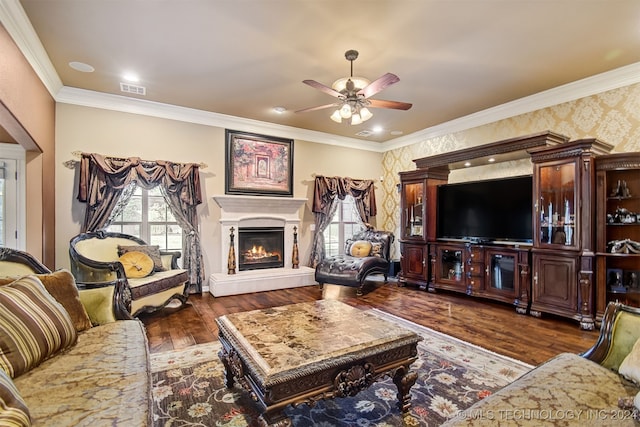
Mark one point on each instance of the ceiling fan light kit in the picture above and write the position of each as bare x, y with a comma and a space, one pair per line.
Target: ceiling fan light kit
353, 95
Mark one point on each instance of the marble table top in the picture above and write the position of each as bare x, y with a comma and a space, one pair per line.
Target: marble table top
286, 341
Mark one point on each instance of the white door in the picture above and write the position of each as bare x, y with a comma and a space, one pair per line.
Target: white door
13, 216
9, 203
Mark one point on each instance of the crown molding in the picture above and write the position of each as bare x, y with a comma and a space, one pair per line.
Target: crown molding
88, 98
17, 24
620, 77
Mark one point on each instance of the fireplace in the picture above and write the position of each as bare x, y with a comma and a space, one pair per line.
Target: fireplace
260, 247
240, 213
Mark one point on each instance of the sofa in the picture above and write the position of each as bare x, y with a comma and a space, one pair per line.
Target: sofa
59, 369
365, 253
599, 387
139, 278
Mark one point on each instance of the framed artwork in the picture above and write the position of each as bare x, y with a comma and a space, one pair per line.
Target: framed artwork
258, 164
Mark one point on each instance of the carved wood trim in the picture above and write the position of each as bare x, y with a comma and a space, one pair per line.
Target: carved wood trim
513, 145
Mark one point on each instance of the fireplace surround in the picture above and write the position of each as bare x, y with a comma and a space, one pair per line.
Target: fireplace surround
254, 212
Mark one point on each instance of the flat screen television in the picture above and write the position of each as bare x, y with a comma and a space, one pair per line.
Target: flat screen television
485, 211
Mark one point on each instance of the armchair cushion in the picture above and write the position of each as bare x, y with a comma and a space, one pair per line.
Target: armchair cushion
33, 326
630, 366
153, 251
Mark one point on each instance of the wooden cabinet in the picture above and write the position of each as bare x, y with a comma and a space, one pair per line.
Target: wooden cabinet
494, 272
450, 268
564, 229
414, 267
507, 276
618, 230
418, 223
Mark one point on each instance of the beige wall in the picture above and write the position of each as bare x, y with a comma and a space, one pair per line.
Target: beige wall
27, 114
122, 134
612, 116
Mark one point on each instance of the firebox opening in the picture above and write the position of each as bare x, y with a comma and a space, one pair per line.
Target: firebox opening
260, 247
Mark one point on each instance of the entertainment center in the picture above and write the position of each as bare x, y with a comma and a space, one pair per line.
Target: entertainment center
528, 240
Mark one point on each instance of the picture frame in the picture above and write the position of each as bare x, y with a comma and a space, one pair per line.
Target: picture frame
258, 164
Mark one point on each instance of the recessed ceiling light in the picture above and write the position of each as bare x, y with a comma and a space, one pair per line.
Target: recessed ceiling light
130, 77
467, 164
81, 66
279, 110
491, 160
377, 129
396, 132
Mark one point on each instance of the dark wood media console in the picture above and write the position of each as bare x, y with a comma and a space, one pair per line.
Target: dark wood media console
498, 272
556, 273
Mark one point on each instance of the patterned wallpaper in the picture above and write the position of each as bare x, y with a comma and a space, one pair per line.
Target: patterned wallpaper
612, 117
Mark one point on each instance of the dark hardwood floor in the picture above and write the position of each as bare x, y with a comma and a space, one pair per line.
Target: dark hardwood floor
494, 326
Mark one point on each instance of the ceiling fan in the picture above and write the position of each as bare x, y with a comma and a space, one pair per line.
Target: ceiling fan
354, 94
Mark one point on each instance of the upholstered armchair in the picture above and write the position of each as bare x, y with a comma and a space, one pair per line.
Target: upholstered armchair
138, 277
365, 253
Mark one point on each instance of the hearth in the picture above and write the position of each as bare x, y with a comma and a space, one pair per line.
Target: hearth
260, 247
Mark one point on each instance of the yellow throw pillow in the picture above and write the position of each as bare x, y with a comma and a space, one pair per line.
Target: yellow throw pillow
152, 250
360, 248
630, 366
136, 264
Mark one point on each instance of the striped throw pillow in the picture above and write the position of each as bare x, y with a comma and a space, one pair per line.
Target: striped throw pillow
13, 410
33, 326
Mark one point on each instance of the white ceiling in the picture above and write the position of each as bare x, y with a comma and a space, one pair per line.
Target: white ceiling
244, 57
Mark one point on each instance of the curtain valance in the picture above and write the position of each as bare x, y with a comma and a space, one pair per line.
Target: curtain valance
328, 188
98, 172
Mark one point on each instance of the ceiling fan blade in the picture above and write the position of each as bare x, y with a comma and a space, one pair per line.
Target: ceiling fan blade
396, 105
378, 85
323, 88
319, 107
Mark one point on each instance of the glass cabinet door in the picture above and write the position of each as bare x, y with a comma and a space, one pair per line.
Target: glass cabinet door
502, 271
413, 212
451, 267
556, 207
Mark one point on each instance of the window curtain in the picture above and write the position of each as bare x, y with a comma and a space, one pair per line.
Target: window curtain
104, 179
327, 191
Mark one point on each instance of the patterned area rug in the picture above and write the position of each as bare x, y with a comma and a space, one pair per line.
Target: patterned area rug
189, 390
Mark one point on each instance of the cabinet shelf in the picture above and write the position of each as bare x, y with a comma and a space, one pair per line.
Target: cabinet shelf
627, 292
611, 171
608, 254
620, 198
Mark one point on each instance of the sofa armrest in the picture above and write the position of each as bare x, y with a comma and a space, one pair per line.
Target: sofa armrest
619, 331
106, 302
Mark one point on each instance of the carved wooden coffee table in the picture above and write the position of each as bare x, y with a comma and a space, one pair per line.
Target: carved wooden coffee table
302, 353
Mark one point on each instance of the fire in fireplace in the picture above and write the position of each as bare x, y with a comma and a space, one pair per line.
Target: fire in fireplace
260, 247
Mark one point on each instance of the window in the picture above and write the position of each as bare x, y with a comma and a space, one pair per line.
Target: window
345, 223
148, 217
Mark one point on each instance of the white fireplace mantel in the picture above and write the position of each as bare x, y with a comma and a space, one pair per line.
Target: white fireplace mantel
236, 205
253, 211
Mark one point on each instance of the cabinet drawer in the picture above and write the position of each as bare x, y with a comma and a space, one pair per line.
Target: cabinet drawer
476, 283
475, 269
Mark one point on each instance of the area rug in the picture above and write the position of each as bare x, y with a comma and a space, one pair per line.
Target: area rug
189, 389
